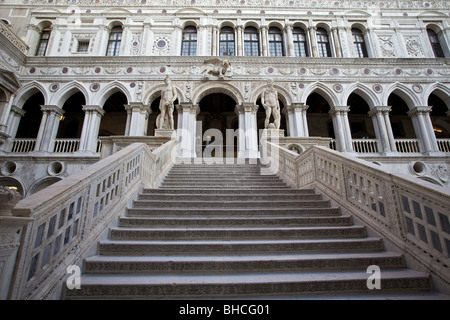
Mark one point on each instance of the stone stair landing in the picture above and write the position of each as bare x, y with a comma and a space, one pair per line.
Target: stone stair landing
225, 231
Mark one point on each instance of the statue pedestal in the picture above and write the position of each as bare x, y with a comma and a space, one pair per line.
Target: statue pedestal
167, 133
272, 134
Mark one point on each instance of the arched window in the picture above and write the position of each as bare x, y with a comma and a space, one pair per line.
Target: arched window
300, 44
227, 45
43, 42
251, 42
275, 42
323, 43
435, 44
359, 43
189, 43
115, 37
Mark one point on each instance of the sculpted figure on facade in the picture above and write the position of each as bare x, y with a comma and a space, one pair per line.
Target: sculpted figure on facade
166, 106
217, 68
269, 100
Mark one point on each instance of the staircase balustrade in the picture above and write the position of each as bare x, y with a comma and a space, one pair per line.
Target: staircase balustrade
72, 214
413, 214
23, 145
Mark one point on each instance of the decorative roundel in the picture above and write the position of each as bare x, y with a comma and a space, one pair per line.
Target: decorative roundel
377, 88
54, 87
161, 43
417, 88
337, 88
94, 87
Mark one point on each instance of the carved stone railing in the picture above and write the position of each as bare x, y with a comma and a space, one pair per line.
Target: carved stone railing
444, 145
66, 145
407, 145
22, 145
412, 214
70, 216
365, 145
11, 36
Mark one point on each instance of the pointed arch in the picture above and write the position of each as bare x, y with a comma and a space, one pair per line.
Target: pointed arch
322, 89
224, 88
28, 90
111, 88
155, 93
283, 94
67, 91
439, 89
365, 92
408, 95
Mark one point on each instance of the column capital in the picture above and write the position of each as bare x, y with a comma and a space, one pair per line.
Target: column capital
379, 109
18, 111
187, 107
339, 110
138, 106
93, 108
52, 109
297, 106
250, 107
419, 110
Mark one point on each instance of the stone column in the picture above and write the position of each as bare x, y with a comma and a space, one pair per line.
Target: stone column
383, 130
32, 38
337, 42
215, 39
101, 40
264, 40
240, 40
138, 118
299, 127
423, 127
91, 126
12, 125
290, 40
251, 130
341, 126
48, 128
239, 110
187, 129
313, 39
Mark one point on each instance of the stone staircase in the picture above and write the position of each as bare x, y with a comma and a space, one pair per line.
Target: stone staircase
225, 231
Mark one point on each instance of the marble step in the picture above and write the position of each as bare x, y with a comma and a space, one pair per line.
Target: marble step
231, 212
236, 233
254, 221
236, 247
251, 285
229, 197
218, 204
250, 191
242, 264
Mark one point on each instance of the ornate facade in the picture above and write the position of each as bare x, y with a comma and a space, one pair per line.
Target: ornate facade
80, 79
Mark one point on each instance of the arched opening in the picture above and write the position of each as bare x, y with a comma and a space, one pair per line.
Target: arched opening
261, 116
31, 121
154, 106
72, 121
361, 125
319, 121
402, 126
11, 183
217, 115
441, 123
115, 119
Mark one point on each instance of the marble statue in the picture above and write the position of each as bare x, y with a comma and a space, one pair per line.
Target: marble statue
166, 106
269, 100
